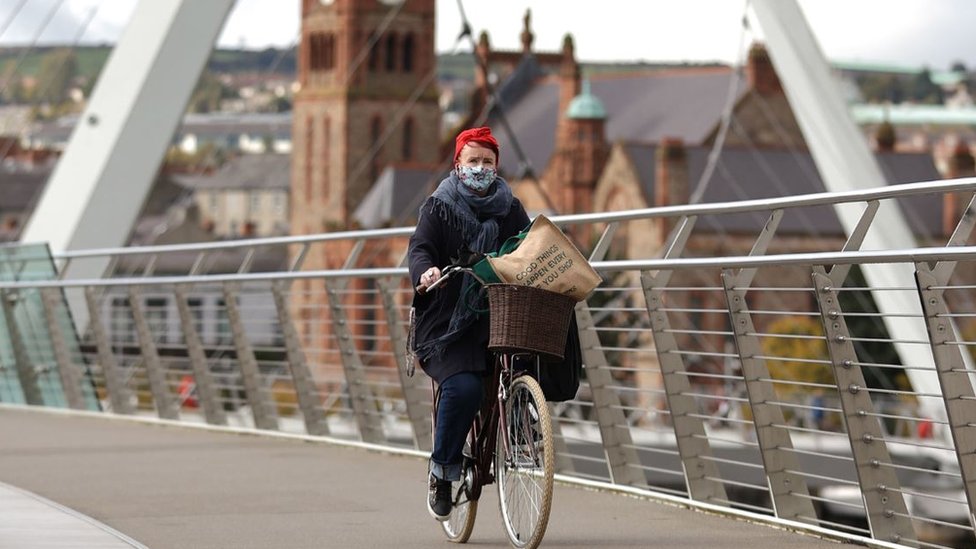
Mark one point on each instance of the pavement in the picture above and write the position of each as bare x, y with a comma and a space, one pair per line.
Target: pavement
116, 484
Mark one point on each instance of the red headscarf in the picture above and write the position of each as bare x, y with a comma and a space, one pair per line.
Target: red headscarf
482, 136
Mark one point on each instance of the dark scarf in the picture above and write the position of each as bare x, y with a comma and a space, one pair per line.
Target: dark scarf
476, 218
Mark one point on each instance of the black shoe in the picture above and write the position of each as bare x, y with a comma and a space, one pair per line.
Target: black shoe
439, 498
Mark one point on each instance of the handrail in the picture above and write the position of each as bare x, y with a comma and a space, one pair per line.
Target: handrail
914, 255
385, 272
680, 364
807, 200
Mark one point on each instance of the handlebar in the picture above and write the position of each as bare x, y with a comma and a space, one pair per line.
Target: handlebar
447, 273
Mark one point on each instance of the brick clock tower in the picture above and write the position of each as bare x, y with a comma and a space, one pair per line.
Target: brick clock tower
353, 114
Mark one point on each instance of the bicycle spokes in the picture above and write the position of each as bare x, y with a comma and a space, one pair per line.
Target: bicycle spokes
524, 463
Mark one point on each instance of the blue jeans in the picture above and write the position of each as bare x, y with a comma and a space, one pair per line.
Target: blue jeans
460, 399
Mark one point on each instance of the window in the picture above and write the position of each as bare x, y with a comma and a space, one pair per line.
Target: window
255, 204
156, 318
120, 329
329, 52
309, 141
407, 144
408, 47
213, 202
373, 63
375, 129
307, 51
391, 53
278, 202
315, 53
195, 305
326, 143
224, 335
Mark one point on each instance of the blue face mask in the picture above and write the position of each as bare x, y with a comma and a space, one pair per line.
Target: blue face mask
476, 178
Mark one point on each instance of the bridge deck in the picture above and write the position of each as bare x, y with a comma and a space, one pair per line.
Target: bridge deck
182, 488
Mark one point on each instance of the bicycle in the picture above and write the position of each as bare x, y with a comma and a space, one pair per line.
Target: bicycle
515, 447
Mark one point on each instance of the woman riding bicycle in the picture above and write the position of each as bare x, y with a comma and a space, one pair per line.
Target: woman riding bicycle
471, 210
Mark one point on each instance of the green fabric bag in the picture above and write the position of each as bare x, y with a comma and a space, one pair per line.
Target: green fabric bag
483, 270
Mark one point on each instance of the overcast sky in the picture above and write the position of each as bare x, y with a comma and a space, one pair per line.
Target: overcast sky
907, 32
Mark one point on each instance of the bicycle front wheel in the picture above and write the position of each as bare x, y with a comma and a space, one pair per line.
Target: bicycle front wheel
524, 469
459, 525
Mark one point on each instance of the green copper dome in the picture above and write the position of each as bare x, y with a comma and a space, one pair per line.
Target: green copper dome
586, 106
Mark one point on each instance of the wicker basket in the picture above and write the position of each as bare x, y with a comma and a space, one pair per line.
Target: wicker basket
527, 319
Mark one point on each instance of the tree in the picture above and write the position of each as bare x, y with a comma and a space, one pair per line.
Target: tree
55, 76
880, 88
799, 338
923, 90
208, 93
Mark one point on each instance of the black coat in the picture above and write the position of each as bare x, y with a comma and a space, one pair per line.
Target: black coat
435, 243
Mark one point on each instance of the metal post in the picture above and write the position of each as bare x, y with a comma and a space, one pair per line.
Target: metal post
67, 370
788, 491
26, 373
166, 406
213, 410
701, 471
258, 396
367, 418
618, 445
887, 512
414, 393
119, 394
305, 391
957, 385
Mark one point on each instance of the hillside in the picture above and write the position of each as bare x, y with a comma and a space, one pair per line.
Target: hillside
458, 66
91, 59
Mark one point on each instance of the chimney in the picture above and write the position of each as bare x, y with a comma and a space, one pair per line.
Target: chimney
959, 164
672, 173
885, 137
479, 95
760, 72
569, 80
671, 185
527, 36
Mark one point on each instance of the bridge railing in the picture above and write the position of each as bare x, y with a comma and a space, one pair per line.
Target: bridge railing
762, 383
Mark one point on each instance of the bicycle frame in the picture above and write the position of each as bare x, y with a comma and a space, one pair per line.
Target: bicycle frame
487, 422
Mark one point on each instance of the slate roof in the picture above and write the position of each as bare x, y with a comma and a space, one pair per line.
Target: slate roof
245, 172
21, 185
645, 107
268, 259
396, 196
768, 173
210, 125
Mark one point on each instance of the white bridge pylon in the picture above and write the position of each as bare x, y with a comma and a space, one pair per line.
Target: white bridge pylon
845, 163
101, 182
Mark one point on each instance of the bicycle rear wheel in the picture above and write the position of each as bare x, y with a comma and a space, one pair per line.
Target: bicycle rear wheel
524, 473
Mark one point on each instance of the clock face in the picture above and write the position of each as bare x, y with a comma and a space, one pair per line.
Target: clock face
326, 2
